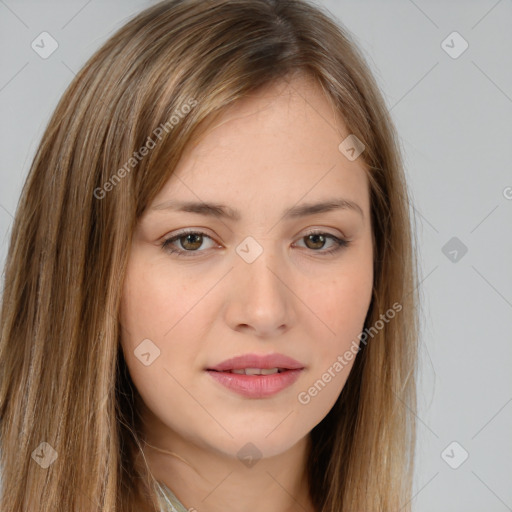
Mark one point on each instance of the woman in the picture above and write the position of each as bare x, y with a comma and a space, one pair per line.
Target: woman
210, 291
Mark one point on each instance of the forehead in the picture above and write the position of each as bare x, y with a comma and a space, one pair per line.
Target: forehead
274, 146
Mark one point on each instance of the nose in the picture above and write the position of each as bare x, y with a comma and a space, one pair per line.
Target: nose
261, 299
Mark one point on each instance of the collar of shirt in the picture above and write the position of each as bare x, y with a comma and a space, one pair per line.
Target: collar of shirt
168, 501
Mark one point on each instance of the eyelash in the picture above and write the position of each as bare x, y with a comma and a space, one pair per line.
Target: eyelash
166, 244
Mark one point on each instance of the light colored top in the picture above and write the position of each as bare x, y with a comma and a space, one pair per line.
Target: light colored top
168, 501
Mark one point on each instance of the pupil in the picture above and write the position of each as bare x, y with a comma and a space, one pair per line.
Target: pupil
191, 236
315, 237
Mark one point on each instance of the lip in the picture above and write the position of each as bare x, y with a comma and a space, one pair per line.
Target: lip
258, 361
257, 386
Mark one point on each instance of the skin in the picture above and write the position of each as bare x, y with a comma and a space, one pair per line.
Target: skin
270, 151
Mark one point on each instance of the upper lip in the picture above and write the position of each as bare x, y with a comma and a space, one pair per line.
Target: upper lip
258, 361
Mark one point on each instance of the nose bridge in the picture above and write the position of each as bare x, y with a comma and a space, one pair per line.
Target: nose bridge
260, 264
261, 298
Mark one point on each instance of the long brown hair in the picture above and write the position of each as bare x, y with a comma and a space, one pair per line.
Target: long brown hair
63, 380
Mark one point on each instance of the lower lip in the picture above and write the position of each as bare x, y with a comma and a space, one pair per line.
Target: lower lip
256, 386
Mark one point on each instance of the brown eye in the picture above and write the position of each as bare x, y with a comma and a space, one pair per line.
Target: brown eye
192, 241
189, 243
315, 241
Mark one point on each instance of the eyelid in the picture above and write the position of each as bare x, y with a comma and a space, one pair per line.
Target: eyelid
187, 231
308, 231
340, 242
168, 239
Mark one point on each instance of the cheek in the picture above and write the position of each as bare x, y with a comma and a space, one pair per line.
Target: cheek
150, 316
160, 313
153, 302
344, 302
342, 305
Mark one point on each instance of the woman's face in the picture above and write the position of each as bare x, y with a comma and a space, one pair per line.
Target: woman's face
260, 283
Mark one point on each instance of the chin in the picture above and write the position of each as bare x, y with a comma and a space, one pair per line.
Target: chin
256, 443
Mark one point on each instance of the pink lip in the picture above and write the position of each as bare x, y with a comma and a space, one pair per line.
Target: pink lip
257, 361
257, 386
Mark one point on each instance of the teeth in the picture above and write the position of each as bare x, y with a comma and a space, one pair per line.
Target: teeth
257, 371
269, 371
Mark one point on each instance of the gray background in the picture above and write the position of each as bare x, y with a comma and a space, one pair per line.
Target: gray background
454, 118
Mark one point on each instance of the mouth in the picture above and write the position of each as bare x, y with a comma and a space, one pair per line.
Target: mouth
256, 364
254, 371
252, 383
257, 376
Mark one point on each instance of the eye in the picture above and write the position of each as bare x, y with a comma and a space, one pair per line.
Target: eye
190, 242
316, 240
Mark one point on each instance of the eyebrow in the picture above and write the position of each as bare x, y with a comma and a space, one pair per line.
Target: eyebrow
222, 211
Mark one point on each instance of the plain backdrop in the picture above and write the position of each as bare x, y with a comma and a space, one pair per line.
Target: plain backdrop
445, 70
